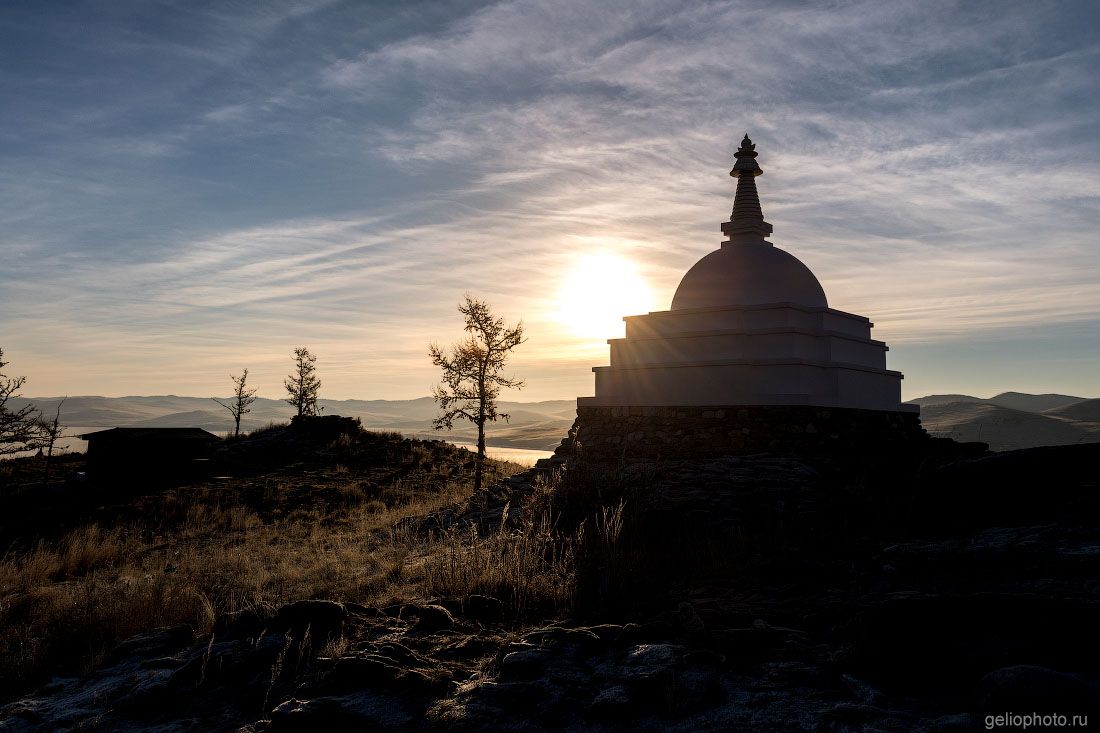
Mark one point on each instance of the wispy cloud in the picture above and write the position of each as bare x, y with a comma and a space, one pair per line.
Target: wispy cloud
339, 174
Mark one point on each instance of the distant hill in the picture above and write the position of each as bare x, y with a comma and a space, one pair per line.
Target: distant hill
1003, 428
205, 419
534, 425
1083, 411
1033, 402
1012, 420
1007, 421
943, 399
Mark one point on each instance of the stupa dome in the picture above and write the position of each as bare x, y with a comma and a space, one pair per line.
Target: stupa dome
748, 270
748, 273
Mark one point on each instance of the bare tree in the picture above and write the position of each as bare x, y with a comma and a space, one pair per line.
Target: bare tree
243, 396
472, 368
20, 428
303, 384
50, 430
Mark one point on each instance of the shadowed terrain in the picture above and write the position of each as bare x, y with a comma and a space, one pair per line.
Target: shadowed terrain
356, 583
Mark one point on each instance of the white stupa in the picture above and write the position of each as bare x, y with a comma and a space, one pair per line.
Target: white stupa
749, 325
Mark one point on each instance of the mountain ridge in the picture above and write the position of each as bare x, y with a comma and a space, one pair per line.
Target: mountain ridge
536, 425
1012, 420
1006, 421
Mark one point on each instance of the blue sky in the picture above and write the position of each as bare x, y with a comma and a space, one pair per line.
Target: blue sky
189, 188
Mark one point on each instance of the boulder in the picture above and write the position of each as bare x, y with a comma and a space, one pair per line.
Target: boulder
429, 617
610, 703
168, 640
323, 618
361, 711
646, 661
247, 623
525, 665
483, 608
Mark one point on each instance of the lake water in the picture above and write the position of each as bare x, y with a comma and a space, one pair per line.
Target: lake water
69, 442
522, 456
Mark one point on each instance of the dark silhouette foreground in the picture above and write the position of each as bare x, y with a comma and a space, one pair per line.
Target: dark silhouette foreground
914, 589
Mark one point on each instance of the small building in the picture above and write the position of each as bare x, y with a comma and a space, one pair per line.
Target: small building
156, 456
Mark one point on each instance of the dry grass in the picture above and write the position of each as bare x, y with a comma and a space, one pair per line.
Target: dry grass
530, 569
187, 555
331, 530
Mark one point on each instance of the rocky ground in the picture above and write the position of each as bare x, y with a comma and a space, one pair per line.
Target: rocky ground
907, 592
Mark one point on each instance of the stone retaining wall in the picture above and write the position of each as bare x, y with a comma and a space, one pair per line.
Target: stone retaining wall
688, 432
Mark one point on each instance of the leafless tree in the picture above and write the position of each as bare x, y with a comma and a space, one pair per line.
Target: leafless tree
303, 384
50, 430
20, 427
472, 378
243, 396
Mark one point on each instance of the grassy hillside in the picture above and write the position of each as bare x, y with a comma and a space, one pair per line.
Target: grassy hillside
943, 399
84, 567
1003, 428
1033, 402
356, 584
1083, 411
1012, 420
337, 579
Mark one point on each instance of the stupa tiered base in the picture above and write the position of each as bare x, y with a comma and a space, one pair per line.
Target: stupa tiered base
777, 354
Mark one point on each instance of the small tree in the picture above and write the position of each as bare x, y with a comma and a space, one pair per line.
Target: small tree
472, 378
51, 431
243, 396
20, 428
303, 384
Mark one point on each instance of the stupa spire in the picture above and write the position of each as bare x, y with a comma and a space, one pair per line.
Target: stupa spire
746, 223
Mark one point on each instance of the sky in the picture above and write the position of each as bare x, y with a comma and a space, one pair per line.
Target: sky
190, 188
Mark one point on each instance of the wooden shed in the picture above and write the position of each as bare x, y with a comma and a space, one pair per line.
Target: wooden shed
148, 455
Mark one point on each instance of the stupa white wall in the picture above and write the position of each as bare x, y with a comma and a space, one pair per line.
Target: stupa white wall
749, 325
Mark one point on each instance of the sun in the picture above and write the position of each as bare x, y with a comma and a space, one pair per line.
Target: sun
597, 292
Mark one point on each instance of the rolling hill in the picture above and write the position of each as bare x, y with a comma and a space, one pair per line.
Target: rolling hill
943, 399
534, 425
1006, 421
1083, 411
1003, 428
1012, 419
1034, 402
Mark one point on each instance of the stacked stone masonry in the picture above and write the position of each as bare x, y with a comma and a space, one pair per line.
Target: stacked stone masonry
654, 433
